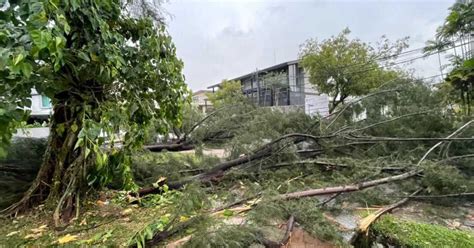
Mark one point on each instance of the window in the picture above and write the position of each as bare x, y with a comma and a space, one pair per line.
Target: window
45, 102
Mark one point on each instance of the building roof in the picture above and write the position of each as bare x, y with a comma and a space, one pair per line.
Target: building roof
271, 68
202, 91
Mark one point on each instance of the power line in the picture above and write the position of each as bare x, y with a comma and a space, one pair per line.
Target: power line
384, 58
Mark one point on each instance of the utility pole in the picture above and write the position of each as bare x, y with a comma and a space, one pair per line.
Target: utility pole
258, 86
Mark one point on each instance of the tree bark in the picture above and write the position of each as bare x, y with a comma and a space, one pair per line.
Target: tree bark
173, 147
348, 188
60, 180
218, 171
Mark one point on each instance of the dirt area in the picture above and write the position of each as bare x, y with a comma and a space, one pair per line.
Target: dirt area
301, 239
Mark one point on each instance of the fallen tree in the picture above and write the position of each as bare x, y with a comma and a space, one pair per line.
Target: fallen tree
185, 139
268, 149
265, 152
214, 173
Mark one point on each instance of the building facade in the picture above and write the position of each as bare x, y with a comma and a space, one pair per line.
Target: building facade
201, 101
283, 85
41, 107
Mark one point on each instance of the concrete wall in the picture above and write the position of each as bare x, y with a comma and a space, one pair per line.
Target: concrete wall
201, 100
315, 103
37, 132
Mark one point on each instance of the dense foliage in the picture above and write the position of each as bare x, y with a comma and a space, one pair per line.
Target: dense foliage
107, 71
456, 34
341, 67
230, 92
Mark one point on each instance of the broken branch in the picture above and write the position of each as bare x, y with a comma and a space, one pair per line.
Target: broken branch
365, 223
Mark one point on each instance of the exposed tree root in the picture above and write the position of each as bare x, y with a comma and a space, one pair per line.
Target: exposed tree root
59, 182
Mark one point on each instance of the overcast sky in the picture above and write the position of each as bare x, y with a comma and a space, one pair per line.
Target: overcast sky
228, 38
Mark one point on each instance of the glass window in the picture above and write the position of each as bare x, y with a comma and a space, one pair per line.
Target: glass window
45, 102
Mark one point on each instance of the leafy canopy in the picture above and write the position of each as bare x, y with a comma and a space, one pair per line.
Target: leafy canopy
117, 70
230, 92
456, 34
341, 67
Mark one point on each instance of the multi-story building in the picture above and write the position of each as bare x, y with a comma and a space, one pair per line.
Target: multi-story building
201, 101
284, 85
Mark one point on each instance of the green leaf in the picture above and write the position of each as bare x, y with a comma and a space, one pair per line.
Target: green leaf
18, 59
79, 143
84, 56
74, 127
94, 57
26, 68
40, 38
59, 41
88, 151
60, 129
63, 22
149, 233
228, 213
74, 4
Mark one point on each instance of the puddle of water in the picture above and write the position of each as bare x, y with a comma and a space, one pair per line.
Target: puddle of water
348, 221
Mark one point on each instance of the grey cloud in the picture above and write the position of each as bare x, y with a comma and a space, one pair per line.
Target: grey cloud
224, 39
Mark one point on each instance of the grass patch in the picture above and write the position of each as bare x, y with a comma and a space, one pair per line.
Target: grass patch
109, 225
402, 233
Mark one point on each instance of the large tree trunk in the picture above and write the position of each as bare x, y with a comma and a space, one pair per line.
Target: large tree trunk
60, 180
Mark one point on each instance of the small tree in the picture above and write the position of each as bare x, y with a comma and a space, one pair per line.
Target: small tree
457, 31
230, 92
105, 68
276, 82
341, 67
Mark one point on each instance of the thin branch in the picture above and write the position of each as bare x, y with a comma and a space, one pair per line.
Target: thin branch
441, 142
354, 102
347, 188
321, 204
368, 184
390, 120
466, 194
456, 158
396, 139
202, 121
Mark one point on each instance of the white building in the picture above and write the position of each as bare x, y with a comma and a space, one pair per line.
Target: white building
201, 101
41, 107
